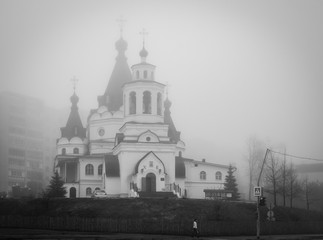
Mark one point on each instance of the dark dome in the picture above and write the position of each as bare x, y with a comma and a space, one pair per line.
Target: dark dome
121, 45
74, 98
143, 52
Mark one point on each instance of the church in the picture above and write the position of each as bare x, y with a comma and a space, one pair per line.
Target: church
130, 146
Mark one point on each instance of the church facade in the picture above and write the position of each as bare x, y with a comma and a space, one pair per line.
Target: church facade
130, 145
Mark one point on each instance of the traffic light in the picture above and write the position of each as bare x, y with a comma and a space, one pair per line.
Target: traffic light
262, 201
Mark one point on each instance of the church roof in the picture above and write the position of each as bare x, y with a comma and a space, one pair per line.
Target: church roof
173, 134
180, 171
204, 163
112, 167
62, 159
112, 97
142, 63
74, 127
143, 81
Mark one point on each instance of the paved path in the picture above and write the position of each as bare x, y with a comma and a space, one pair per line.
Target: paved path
11, 233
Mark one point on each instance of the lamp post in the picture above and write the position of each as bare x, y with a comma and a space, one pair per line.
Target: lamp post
258, 197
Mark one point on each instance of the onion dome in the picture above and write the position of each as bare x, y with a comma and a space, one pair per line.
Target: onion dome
121, 45
74, 99
143, 52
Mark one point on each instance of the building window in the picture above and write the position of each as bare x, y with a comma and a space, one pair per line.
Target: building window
147, 102
218, 176
151, 163
88, 191
89, 169
63, 151
16, 152
76, 151
132, 103
203, 175
145, 74
16, 173
100, 169
137, 74
159, 104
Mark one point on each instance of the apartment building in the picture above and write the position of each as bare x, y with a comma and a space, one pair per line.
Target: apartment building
28, 133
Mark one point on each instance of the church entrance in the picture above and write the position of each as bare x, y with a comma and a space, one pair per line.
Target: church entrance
72, 192
149, 183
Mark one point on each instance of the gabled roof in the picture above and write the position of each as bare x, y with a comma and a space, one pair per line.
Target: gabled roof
112, 168
137, 165
74, 127
112, 97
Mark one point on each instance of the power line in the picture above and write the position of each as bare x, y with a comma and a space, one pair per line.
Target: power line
289, 155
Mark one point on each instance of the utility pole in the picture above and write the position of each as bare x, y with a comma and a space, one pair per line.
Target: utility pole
258, 197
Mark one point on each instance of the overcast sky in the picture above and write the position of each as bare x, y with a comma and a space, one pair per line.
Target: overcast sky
235, 68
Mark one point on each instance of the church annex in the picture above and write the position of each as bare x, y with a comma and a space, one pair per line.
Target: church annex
130, 146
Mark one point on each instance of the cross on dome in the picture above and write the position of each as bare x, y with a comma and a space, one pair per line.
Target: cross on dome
143, 53
121, 22
74, 81
143, 33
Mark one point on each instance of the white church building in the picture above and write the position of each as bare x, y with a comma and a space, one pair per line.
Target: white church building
130, 146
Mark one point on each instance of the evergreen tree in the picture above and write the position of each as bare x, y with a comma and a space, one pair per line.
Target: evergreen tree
230, 184
56, 187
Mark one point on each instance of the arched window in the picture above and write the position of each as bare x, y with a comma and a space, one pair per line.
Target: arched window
218, 176
132, 103
76, 151
63, 151
203, 175
159, 104
147, 102
145, 74
88, 191
137, 74
100, 169
89, 169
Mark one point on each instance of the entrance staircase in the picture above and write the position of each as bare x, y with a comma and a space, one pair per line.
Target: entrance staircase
159, 195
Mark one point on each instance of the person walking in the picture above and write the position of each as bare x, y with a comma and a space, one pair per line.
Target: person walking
195, 230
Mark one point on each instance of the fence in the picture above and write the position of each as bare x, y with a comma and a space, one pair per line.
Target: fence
157, 226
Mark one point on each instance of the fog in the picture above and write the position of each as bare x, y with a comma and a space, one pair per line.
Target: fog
235, 69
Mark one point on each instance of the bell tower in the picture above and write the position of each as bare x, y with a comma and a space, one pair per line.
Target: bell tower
143, 96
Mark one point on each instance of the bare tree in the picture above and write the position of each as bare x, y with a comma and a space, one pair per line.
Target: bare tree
273, 176
254, 159
294, 186
310, 190
283, 180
